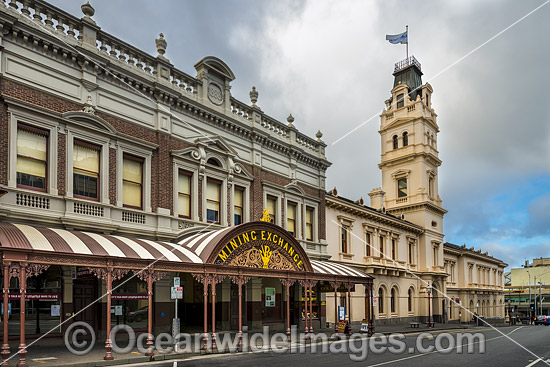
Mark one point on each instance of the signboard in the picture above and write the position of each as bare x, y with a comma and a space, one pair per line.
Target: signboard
176, 281
55, 310
258, 248
36, 296
270, 297
73, 272
364, 326
342, 326
374, 301
176, 292
341, 312
325, 288
124, 297
118, 310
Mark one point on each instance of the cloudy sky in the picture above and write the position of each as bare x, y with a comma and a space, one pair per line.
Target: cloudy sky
327, 63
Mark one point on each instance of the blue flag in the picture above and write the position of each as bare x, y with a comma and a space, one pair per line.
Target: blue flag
397, 38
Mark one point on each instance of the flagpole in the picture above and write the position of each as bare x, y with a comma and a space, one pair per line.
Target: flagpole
407, 30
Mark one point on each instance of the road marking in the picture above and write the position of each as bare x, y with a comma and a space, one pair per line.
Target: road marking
534, 362
44, 359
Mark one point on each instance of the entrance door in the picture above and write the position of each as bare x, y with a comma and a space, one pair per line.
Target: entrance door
84, 294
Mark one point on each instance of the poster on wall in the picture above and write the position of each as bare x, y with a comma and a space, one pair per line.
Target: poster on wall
55, 310
270, 297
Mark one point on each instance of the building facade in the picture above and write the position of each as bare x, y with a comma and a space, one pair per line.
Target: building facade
112, 158
399, 237
528, 293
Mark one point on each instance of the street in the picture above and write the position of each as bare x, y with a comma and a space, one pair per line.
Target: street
499, 351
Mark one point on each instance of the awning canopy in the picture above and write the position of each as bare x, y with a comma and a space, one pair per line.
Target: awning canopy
259, 245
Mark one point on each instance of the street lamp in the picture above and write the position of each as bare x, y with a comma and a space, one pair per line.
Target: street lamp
429, 291
509, 314
530, 300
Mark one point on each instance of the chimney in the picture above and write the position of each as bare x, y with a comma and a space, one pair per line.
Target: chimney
377, 198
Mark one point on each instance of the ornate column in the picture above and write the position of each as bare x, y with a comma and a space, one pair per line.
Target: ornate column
335, 286
149, 275
107, 274
349, 306
287, 283
205, 280
311, 306
304, 283
6, 290
371, 308
25, 271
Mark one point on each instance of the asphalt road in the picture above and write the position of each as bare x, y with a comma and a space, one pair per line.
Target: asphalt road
519, 346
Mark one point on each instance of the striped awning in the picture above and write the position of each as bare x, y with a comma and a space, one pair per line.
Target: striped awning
333, 268
194, 249
23, 236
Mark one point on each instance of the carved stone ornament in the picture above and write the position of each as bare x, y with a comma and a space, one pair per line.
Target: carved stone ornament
161, 44
215, 93
35, 269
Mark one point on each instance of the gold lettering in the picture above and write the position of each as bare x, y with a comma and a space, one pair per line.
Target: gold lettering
299, 263
296, 257
274, 238
263, 235
223, 255
286, 246
253, 235
269, 236
291, 251
281, 241
239, 240
245, 238
233, 244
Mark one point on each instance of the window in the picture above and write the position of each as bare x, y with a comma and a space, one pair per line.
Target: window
32, 161
380, 300
344, 234
309, 224
411, 253
86, 170
238, 205
213, 162
410, 300
393, 249
184, 194
431, 187
402, 187
367, 244
405, 139
395, 142
435, 256
213, 201
393, 300
272, 208
381, 246
291, 218
400, 100
132, 181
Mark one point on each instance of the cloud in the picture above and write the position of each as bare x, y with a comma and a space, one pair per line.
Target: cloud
539, 217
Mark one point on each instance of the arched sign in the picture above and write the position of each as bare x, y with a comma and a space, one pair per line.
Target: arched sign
260, 245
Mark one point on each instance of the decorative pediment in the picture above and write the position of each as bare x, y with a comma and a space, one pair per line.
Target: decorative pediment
216, 144
90, 120
212, 63
293, 187
401, 173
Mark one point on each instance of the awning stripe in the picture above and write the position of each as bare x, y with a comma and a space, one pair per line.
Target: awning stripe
327, 267
348, 269
74, 242
11, 236
107, 245
317, 269
166, 254
127, 250
200, 248
190, 255
35, 238
157, 255
95, 247
331, 269
57, 242
174, 251
139, 250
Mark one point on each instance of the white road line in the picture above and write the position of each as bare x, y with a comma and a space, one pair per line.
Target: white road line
534, 362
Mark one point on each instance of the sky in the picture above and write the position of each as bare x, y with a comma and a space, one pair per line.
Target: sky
327, 63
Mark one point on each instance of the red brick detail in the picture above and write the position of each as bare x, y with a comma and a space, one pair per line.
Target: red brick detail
4, 144
112, 176
37, 97
61, 164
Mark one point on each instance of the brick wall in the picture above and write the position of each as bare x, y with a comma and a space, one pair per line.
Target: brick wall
161, 163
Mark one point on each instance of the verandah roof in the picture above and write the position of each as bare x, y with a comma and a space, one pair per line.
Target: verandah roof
195, 249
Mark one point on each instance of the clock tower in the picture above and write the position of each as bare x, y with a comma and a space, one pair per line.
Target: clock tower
410, 161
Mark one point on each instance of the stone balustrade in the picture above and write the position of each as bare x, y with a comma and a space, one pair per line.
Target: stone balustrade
79, 33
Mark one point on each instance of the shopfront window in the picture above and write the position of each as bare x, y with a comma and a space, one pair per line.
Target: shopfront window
129, 302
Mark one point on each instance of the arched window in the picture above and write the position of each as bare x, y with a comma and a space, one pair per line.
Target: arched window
405, 139
380, 300
395, 142
393, 300
410, 299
